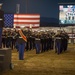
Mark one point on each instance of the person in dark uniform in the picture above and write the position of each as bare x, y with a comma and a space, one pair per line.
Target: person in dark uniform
9, 38
50, 41
58, 42
1, 23
13, 33
27, 44
21, 41
42, 42
37, 43
4, 38
33, 41
65, 40
30, 39
45, 42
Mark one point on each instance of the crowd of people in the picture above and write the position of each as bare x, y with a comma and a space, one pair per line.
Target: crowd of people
40, 40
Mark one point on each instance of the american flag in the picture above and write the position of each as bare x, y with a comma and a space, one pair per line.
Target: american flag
18, 20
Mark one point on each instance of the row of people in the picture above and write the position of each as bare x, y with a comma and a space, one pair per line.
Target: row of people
46, 39
9, 39
41, 41
36, 40
61, 41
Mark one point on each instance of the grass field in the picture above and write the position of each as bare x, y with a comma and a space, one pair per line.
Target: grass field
48, 63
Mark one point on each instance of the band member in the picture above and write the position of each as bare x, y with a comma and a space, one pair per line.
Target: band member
9, 39
4, 38
21, 41
30, 39
58, 42
37, 44
13, 33
1, 24
65, 40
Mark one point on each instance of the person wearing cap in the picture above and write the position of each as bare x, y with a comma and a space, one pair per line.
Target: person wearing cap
58, 42
37, 43
21, 42
1, 23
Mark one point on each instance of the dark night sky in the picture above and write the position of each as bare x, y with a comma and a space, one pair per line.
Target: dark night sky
48, 9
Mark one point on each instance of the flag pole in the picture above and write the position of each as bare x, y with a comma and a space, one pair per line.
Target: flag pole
17, 8
17, 11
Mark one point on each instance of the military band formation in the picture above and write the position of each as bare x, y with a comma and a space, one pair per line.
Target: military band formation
25, 39
41, 41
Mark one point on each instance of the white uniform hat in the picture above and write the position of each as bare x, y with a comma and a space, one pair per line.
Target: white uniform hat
22, 27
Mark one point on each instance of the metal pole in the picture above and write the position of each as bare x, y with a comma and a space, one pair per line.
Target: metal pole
72, 36
17, 11
17, 8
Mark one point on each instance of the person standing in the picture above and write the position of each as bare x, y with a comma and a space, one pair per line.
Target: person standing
4, 38
37, 43
1, 23
21, 42
58, 42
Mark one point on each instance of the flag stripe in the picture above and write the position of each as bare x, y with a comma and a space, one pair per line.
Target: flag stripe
26, 18
26, 23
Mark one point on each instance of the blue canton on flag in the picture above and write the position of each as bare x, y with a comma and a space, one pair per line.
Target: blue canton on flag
8, 20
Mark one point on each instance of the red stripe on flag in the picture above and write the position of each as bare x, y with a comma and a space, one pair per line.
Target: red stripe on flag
23, 19
26, 22
26, 18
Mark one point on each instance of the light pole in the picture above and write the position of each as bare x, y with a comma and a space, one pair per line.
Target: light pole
17, 8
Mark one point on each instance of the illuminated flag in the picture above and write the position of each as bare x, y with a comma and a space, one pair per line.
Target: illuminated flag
18, 20
27, 20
